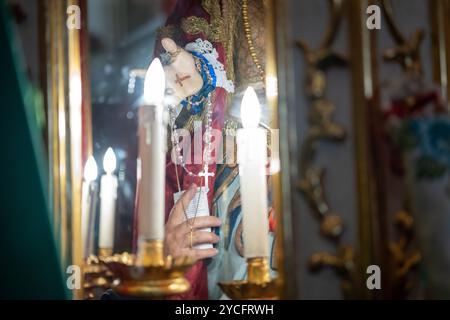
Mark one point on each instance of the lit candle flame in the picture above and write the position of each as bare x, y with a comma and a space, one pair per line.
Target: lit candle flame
90, 170
109, 161
155, 84
250, 109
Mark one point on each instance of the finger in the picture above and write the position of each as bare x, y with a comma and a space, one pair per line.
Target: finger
205, 222
201, 237
169, 45
199, 254
199, 223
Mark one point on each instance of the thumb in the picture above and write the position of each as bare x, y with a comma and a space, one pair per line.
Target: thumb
183, 203
169, 45
188, 195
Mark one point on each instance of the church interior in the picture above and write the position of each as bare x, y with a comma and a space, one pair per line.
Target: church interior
225, 149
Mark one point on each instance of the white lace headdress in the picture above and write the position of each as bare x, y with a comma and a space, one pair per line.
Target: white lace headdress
205, 48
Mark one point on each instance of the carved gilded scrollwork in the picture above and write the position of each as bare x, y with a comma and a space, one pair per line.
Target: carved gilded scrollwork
407, 51
97, 278
405, 256
323, 127
342, 262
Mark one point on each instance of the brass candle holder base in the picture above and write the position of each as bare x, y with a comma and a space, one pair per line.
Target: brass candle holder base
105, 252
97, 278
257, 286
148, 275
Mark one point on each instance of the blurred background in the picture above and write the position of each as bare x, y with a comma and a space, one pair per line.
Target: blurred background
365, 135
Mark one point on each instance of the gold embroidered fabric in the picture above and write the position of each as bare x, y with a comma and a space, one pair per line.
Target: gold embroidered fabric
169, 31
214, 30
247, 73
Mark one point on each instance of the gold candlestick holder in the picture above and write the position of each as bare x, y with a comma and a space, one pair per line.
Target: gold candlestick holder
97, 278
258, 284
148, 274
105, 252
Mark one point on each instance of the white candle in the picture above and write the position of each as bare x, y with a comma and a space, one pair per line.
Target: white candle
88, 205
152, 153
108, 196
252, 158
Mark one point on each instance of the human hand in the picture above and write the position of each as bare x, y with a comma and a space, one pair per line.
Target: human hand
178, 231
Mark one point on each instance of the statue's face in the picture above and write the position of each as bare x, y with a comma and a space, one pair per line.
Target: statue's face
181, 74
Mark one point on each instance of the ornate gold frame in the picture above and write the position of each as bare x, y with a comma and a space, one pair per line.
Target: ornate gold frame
279, 77
65, 73
439, 11
65, 112
57, 113
367, 180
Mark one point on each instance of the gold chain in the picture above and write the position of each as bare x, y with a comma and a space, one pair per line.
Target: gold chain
190, 225
248, 36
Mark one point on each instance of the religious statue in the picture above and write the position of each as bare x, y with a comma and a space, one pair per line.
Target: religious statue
212, 51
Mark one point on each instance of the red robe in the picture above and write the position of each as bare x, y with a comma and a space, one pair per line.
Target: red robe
197, 275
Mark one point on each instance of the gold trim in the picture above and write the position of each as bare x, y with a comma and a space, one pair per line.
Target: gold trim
249, 38
62, 116
153, 281
258, 270
64, 78
75, 129
230, 15
60, 164
279, 81
439, 10
258, 284
280, 188
105, 252
213, 30
86, 85
362, 44
150, 253
194, 25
